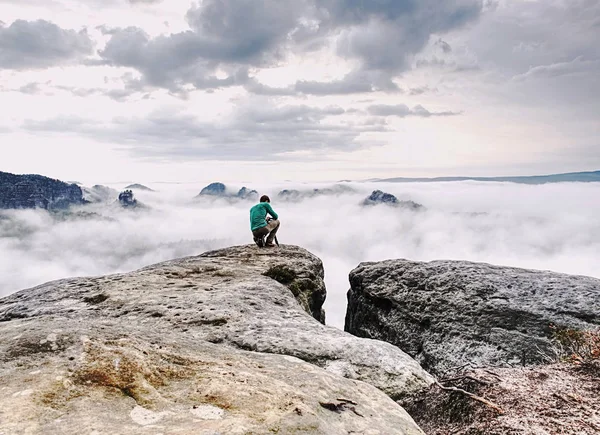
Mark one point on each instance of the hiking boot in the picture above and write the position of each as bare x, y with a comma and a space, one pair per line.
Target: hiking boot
269, 245
259, 241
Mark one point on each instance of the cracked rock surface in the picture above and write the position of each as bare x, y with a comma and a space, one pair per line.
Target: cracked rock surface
448, 314
225, 342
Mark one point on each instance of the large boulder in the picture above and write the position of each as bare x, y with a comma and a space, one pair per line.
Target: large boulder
36, 191
224, 342
448, 314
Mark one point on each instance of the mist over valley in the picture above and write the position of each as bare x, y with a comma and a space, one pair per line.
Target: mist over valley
550, 227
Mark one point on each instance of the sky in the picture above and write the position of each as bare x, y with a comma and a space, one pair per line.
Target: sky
303, 90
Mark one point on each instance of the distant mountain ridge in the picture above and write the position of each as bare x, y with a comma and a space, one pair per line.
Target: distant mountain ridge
36, 191
580, 177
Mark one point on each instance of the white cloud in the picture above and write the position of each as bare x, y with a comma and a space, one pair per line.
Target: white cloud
578, 65
208, 61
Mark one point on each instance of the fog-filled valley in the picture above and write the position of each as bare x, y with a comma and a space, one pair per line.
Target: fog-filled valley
551, 226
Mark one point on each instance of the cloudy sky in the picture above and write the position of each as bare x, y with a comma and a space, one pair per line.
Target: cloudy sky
181, 90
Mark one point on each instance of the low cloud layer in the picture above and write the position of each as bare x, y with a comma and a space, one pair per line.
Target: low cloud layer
551, 227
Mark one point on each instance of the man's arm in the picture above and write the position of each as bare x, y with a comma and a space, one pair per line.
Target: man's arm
271, 211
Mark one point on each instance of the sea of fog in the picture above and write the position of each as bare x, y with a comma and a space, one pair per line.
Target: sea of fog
552, 227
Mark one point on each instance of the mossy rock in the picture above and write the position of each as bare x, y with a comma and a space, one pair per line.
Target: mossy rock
282, 274
302, 286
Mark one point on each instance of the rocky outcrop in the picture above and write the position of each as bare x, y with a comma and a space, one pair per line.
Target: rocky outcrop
219, 190
245, 193
379, 197
225, 342
139, 187
451, 313
36, 191
127, 200
214, 189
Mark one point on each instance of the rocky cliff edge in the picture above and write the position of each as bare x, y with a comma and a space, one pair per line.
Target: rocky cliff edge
225, 342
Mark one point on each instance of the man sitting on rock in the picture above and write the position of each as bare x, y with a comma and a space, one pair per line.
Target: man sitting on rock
260, 226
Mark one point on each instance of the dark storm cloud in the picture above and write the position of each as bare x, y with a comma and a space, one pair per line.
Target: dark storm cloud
385, 34
41, 44
170, 61
237, 34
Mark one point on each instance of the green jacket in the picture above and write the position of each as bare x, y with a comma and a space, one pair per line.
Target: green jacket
258, 215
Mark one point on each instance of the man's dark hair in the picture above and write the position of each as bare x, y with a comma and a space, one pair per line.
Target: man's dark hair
264, 198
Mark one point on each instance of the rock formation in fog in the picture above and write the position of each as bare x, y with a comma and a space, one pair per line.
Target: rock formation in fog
219, 190
36, 191
245, 193
127, 199
379, 197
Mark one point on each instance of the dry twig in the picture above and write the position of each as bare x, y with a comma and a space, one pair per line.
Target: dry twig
472, 396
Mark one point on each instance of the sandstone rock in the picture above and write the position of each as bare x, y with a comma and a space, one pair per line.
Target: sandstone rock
126, 199
36, 191
450, 313
219, 190
379, 197
245, 193
72, 376
213, 189
214, 343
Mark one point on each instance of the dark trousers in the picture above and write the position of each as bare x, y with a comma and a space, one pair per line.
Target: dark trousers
270, 230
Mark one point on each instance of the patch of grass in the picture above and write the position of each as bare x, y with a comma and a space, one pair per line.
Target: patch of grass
282, 274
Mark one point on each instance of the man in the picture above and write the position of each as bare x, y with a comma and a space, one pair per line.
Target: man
259, 225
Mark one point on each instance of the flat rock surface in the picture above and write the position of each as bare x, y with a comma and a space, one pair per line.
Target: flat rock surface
451, 313
203, 344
